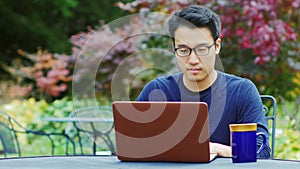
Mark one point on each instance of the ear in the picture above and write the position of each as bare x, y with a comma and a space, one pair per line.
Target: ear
218, 45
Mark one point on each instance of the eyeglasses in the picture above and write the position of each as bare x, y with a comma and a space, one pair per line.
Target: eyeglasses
199, 50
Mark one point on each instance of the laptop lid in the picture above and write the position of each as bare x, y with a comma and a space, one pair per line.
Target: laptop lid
161, 131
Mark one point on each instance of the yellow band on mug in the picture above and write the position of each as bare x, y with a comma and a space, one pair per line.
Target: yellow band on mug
243, 127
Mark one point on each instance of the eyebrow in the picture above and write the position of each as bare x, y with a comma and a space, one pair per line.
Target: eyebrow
183, 45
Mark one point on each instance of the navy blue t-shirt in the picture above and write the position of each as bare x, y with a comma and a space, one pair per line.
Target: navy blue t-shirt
230, 99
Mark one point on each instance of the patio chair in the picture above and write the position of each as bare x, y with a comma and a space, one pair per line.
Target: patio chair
92, 131
9, 132
269, 107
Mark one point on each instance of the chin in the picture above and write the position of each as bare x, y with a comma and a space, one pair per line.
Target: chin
196, 78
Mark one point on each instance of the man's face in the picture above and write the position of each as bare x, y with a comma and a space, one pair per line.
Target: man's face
196, 68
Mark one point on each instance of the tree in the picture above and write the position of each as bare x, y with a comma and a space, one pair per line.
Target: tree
47, 24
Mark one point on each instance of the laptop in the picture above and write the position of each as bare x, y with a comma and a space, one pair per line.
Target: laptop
162, 131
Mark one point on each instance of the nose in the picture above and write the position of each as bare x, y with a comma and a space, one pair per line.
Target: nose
193, 59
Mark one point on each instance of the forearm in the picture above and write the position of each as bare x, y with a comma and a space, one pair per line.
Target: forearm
220, 149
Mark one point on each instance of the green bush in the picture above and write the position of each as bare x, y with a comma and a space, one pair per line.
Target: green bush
287, 134
288, 145
29, 114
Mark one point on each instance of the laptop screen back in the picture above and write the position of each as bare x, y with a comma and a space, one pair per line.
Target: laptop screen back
161, 131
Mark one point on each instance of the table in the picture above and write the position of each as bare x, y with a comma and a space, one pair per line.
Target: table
92, 129
111, 162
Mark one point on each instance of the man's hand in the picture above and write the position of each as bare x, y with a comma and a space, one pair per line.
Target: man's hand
220, 149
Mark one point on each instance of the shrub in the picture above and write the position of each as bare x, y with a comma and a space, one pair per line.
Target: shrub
29, 114
43, 76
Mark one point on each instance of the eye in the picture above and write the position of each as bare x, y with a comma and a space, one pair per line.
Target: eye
183, 50
201, 50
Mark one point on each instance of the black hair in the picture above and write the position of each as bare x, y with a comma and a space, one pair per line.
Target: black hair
196, 16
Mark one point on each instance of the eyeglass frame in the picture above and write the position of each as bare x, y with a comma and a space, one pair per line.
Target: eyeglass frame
193, 49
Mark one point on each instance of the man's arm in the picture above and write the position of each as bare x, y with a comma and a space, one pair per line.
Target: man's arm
220, 149
252, 111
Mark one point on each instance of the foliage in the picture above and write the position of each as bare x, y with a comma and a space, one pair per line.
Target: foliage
29, 113
104, 50
262, 41
29, 24
287, 131
47, 24
287, 145
291, 112
45, 76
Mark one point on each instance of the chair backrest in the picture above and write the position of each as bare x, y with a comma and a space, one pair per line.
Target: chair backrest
269, 107
10, 128
96, 134
8, 135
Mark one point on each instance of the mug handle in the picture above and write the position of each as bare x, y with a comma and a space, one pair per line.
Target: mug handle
264, 142
234, 150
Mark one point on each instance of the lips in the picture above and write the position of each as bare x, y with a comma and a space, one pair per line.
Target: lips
194, 70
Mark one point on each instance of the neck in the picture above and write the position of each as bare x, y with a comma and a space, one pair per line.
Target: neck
198, 86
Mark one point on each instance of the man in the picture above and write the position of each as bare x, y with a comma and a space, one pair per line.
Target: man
231, 99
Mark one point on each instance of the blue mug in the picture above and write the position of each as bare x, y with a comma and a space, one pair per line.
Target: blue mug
243, 142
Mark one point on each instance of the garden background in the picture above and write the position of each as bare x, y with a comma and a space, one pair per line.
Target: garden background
42, 40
